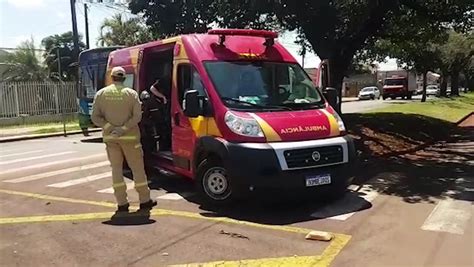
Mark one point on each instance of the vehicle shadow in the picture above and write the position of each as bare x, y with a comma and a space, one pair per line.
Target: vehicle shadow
265, 207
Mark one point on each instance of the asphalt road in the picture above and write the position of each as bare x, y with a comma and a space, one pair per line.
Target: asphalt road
56, 205
366, 105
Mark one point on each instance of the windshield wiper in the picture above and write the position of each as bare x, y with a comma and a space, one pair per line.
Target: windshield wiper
306, 105
235, 100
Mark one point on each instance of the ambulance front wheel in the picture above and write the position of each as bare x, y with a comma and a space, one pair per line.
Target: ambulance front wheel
213, 182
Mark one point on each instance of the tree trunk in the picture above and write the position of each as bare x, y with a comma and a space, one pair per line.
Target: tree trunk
470, 83
337, 68
455, 83
423, 98
444, 86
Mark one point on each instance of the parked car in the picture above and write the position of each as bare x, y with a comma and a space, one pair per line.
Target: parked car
432, 90
371, 92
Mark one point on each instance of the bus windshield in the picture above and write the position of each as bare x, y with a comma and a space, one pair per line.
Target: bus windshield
265, 85
92, 71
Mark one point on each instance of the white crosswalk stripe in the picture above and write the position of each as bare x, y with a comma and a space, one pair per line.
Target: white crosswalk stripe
52, 163
81, 180
344, 208
20, 154
110, 190
174, 196
58, 172
4, 151
450, 216
37, 157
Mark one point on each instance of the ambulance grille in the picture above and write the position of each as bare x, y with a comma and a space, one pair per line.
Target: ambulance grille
303, 158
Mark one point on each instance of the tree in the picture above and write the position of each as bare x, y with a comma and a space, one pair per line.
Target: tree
336, 29
64, 42
23, 64
122, 31
457, 54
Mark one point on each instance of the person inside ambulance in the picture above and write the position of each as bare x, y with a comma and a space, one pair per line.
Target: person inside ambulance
156, 90
117, 110
302, 90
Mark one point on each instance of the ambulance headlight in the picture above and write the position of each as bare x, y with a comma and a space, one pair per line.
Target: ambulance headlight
340, 123
243, 126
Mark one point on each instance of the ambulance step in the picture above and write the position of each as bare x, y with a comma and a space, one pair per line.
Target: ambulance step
164, 154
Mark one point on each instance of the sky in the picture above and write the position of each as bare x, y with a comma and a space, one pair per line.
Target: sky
21, 20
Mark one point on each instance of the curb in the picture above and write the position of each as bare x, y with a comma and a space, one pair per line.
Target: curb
39, 136
349, 100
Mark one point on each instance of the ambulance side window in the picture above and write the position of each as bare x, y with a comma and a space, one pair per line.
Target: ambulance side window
188, 79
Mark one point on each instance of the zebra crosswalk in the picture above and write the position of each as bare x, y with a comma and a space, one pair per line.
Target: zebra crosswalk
71, 170
64, 170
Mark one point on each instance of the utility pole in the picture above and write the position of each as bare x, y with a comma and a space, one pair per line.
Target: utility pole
58, 57
303, 54
58, 105
75, 33
87, 25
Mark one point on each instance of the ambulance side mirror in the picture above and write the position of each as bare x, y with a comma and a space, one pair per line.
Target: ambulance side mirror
331, 96
192, 106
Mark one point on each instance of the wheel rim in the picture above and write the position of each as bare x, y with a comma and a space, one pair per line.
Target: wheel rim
216, 183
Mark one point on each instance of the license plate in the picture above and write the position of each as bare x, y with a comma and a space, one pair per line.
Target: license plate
318, 180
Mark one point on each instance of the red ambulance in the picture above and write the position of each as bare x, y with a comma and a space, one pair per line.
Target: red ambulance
242, 115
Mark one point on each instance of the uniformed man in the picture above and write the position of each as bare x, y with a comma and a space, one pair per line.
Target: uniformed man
117, 110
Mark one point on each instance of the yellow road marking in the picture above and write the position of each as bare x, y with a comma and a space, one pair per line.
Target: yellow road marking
325, 259
56, 218
63, 199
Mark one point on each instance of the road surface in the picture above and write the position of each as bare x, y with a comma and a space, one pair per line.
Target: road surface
57, 208
366, 105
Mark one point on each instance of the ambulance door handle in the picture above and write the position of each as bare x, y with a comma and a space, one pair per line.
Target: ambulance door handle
176, 118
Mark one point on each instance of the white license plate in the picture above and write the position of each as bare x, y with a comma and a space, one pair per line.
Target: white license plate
318, 180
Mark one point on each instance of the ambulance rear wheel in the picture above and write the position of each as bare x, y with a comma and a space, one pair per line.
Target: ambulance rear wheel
214, 185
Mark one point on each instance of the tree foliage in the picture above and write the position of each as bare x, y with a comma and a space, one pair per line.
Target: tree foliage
64, 42
119, 30
336, 29
23, 64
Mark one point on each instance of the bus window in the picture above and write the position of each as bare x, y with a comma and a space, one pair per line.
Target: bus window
129, 79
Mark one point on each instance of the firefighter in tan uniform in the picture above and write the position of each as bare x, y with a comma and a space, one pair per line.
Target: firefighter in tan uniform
117, 110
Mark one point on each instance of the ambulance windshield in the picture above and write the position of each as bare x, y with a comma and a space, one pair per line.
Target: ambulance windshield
266, 84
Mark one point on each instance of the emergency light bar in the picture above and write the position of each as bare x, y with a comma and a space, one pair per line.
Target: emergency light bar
268, 35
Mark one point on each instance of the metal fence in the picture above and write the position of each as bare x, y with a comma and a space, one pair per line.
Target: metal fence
36, 101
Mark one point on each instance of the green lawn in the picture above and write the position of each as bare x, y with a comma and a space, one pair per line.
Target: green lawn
449, 109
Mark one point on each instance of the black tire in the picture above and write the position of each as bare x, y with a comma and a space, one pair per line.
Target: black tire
213, 184
384, 97
410, 96
393, 98
372, 97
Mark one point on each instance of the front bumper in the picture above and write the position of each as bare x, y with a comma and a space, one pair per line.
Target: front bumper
262, 166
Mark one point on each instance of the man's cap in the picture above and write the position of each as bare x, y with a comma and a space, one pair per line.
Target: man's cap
118, 72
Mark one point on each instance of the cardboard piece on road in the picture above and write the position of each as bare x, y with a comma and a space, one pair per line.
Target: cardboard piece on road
319, 236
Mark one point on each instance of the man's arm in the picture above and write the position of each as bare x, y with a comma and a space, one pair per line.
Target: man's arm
97, 116
136, 112
158, 94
